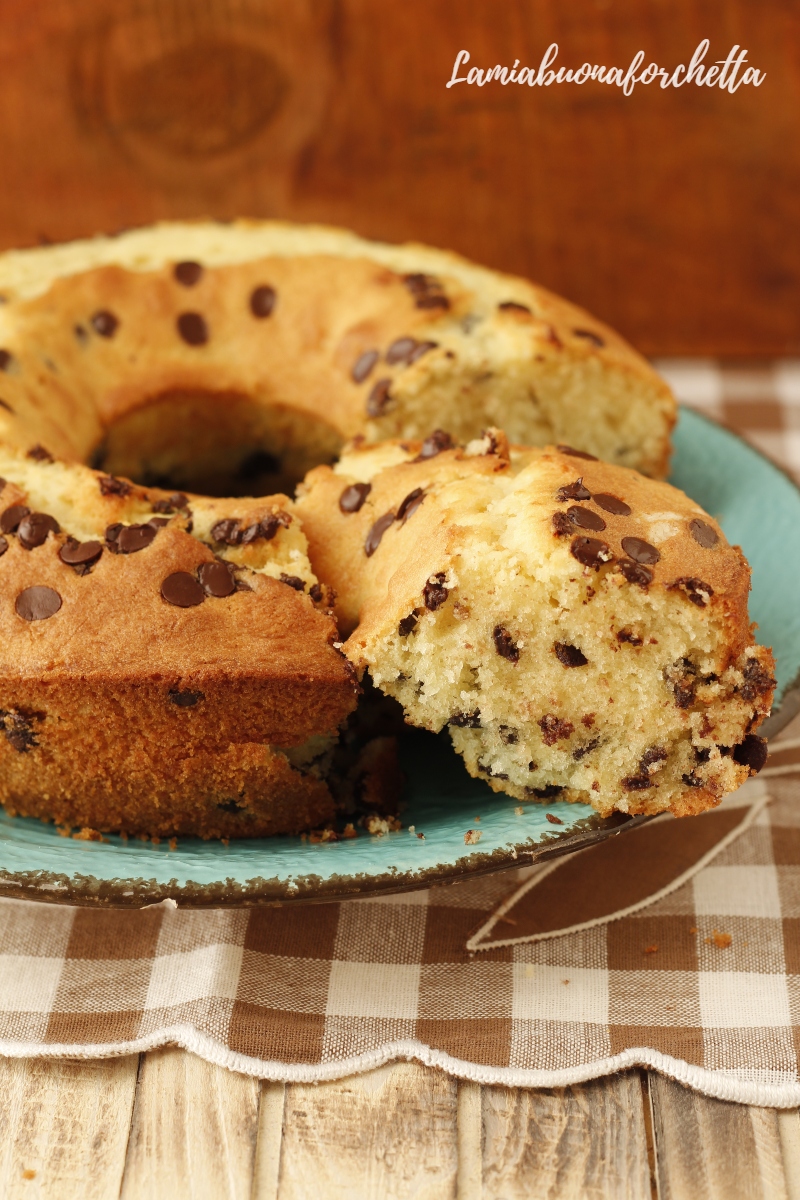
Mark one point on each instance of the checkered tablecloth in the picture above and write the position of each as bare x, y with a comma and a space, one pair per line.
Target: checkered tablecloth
676, 946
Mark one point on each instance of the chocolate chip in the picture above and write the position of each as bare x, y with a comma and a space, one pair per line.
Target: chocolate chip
104, 323
553, 819
570, 656
401, 350
636, 783
752, 753
407, 625
373, 539
6, 360
426, 290
590, 552
584, 518
703, 534
582, 751
692, 780
262, 300
184, 699
37, 603
562, 526
757, 681
109, 486
216, 579
132, 538
379, 398
435, 593
34, 528
438, 441
12, 516
188, 273
702, 753
315, 592
173, 503
227, 532
574, 491
513, 306
80, 554
545, 793
18, 730
625, 635
363, 365
293, 581
612, 504
576, 453
651, 757
251, 534
3, 545
590, 336
464, 720
39, 454
635, 572
504, 644
182, 589
639, 551
698, 592
554, 729
353, 497
410, 505
192, 328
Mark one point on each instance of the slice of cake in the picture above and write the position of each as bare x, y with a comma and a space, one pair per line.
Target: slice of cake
582, 630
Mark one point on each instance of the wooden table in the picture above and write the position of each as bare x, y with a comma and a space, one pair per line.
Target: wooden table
167, 1124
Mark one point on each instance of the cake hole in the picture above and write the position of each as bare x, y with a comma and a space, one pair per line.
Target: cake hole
216, 444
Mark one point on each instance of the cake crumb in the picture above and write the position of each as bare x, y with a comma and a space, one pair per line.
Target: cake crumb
721, 940
651, 949
225, 841
519, 810
28, 1173
472, 837
553, 819
349, 831
421, 837
173, 843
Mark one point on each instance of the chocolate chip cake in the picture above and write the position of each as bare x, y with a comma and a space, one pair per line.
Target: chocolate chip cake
230, 358
167, 662
581, 630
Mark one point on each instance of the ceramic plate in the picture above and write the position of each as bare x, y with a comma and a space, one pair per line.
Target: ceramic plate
758, 507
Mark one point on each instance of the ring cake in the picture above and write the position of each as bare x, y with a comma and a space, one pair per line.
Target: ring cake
232, 358
580, 629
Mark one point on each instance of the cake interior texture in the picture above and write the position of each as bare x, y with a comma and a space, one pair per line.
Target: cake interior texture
581, 631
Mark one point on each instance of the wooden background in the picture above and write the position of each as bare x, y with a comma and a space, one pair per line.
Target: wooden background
671, 214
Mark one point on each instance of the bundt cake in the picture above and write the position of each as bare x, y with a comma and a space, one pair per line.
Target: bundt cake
580, 629
229, 359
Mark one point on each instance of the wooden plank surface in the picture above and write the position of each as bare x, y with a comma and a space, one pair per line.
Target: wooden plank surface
184, 1128
64, 1127
193, 1135
671, 213
387, 1135
579, 1143
710, 1150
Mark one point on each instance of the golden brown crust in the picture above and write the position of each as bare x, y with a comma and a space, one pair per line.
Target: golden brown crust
478, 343
121, 699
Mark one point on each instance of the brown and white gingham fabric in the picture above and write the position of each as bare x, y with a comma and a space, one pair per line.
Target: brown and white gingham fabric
318, 991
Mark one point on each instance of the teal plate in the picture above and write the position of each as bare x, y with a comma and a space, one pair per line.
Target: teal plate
758, 507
